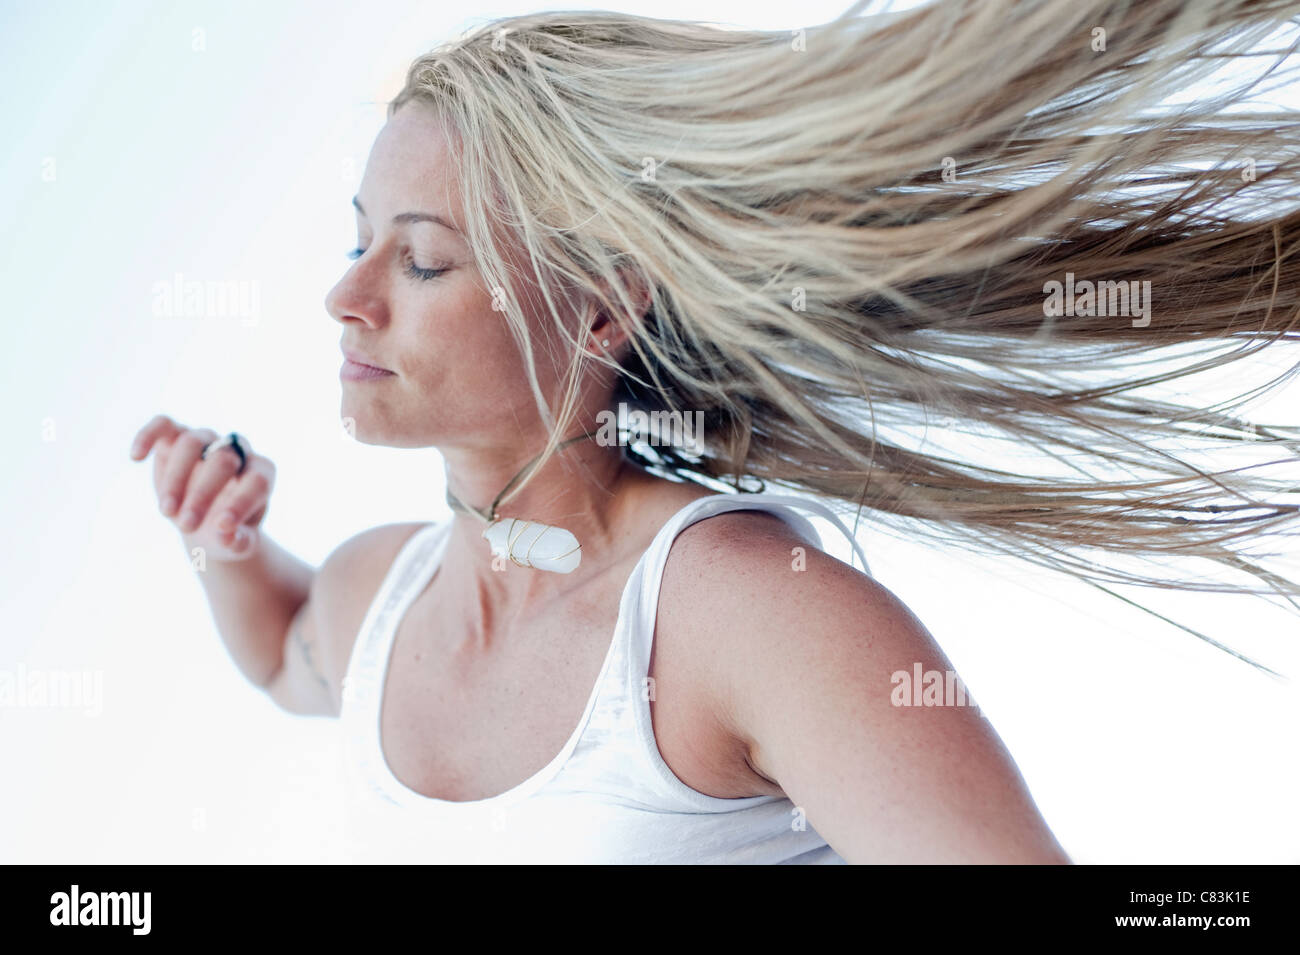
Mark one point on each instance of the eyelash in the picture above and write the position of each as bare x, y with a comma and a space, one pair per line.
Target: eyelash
413, 270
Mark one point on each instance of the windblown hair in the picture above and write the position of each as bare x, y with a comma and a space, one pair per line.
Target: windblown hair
848, 236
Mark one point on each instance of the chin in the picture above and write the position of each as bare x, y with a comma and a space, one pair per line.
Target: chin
361, 426
363, 429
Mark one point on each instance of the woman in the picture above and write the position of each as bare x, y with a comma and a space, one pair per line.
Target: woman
811, 244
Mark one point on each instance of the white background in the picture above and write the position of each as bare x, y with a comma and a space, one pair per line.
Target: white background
237, 162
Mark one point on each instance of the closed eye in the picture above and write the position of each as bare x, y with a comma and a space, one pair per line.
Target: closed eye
413, 270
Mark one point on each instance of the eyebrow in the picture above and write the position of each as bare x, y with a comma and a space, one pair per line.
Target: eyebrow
402, 218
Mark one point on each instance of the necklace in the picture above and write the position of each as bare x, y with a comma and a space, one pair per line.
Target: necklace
525, 543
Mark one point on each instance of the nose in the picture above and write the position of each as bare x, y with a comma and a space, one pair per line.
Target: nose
353, 299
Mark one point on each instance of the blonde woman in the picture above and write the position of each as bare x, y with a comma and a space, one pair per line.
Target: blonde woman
814, 244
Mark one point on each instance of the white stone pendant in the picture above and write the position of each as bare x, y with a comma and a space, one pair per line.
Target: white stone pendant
530, 544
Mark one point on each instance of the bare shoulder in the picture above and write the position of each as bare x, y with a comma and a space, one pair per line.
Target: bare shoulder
740, 591
750, 604
749, 558
769, 604
801, 656
718, 537
347, 582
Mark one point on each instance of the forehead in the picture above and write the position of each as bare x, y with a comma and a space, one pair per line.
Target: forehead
410, 168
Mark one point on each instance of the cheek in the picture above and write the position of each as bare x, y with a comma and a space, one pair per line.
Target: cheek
458, 345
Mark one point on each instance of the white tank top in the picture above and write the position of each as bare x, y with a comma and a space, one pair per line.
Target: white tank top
607, 796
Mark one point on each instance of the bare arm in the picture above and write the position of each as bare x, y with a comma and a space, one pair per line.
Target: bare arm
218, 502
288, 627
313, 647
805, 669
253, 602
299, 683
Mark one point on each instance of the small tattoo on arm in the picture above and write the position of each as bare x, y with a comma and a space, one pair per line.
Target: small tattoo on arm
306, 652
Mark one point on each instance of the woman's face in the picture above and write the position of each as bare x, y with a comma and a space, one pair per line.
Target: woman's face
415, 303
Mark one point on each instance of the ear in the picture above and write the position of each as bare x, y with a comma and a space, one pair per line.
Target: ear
607, 333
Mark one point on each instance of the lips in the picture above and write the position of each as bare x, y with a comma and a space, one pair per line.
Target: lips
366, 362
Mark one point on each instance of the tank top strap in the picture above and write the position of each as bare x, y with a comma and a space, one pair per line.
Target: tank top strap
409, 572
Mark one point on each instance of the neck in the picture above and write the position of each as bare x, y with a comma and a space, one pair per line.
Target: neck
575, 489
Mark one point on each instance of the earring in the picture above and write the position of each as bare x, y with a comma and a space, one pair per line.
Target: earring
604, 343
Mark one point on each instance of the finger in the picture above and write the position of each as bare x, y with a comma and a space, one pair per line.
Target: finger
159, 426
207, 478
228, 451
242, 539
235, 506
240, 500
182, 457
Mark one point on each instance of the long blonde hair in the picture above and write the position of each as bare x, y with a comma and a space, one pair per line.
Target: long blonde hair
870, 237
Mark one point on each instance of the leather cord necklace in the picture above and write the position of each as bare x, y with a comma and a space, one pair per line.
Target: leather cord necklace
525, 543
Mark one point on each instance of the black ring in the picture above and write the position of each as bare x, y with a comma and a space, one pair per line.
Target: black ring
233, 442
